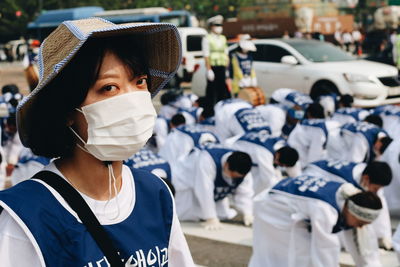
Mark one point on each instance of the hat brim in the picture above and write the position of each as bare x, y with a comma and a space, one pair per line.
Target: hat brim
161, 42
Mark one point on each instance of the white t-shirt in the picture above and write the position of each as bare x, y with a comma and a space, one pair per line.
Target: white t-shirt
16, 248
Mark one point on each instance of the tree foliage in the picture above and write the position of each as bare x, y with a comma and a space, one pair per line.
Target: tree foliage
13, 26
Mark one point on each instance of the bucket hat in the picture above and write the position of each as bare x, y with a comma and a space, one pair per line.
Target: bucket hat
161, 43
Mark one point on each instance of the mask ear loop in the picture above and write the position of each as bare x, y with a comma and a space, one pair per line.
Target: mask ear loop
112, 176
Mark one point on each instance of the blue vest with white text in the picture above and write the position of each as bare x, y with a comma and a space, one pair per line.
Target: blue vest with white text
199, 136
221, 187
341, 168
147, 160
349, 111
142, 239
368, 130
299, 99
193, 112
317, 123
264, 139
250, 119
312, 187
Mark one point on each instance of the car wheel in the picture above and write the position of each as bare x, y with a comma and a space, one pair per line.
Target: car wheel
323, 87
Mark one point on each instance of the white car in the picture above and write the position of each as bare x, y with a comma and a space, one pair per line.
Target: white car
308, 65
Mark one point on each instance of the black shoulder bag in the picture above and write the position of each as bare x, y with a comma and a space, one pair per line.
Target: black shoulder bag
79, 205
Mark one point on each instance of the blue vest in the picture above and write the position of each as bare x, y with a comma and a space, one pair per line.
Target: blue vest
313, 187
388, 110
318, 123
141, 239
199, 136
245, 63
221, 187
193, 111
299, 99
147, 160
209, 121
251, 120
368, 130
264, 139
42, 160
341, 168
353, 112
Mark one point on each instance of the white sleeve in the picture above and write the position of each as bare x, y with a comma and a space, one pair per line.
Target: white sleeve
325, 246
243, 197
382, 225
369, 258
14, 150
205, 47
15, 247
358, 150
316, 148
161, 132
204, 176
179, 254
266, 172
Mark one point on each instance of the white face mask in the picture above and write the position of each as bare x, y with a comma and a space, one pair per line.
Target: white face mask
119, 126
217, 29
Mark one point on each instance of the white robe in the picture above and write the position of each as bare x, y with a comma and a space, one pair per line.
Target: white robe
392, 157
309, 141
179, 144
281, 237
380, 228
194, 184
226, 124
160, 131
275, 115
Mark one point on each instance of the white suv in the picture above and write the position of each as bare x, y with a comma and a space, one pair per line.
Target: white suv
308, 65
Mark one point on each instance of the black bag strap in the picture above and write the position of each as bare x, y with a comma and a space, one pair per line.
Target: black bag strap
79, 205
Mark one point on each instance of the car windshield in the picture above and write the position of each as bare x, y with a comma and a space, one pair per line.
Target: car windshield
321, 52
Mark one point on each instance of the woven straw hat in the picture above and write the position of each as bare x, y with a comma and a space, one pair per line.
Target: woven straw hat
161, 41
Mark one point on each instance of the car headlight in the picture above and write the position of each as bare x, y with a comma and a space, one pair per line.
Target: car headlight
356, 78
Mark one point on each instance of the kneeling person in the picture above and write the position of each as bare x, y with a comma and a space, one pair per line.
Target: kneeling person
296, 221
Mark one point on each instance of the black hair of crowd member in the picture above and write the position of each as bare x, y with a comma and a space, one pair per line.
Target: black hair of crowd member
202, 102
208, 112
321, 92
49, 134
288, 156
169, 96
346, 100
367, 199
385, 143
315, 111
379, 172
178, 119
240, 162
10, 88
374, 119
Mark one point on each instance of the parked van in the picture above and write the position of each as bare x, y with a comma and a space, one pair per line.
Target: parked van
192, 53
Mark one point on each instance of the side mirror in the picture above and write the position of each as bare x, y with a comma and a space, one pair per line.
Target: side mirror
290, 60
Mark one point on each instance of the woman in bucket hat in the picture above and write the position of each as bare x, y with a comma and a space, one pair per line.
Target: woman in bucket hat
92, 109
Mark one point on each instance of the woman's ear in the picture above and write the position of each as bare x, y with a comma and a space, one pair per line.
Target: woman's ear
70, 119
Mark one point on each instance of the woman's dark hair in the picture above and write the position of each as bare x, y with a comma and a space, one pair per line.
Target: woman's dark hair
49, 134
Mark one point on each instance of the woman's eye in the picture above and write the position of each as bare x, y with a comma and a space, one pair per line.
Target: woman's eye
109, 88
142, 81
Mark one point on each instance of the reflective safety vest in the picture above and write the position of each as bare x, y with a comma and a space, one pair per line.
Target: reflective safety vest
218, 45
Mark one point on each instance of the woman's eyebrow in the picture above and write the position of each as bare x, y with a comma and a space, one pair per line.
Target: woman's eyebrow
108, 75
